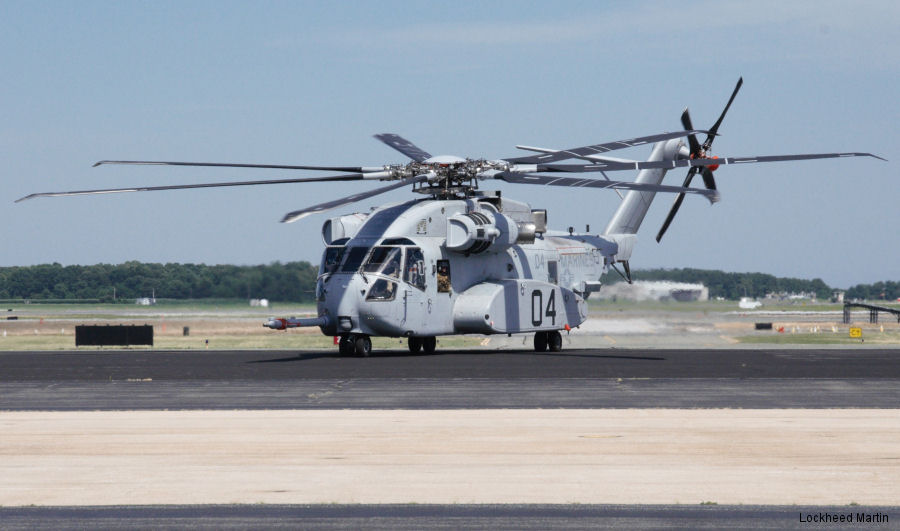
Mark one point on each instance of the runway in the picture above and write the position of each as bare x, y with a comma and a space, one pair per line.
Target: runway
588, 426
109, 380
95, 365
413, 517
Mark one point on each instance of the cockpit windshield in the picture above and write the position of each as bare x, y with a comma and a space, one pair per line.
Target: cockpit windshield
354, 259
384, 260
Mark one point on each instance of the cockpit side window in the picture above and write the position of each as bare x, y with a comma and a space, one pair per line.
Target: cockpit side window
354, 259
414, 273
382, 290
384, 260
331, 260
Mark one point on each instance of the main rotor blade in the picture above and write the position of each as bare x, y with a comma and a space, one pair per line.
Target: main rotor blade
356, 169
586, 151
715, 128
322, 207
404, 146
550, 180
689, 163
352, 177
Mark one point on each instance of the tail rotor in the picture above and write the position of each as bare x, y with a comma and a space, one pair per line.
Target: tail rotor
698, 151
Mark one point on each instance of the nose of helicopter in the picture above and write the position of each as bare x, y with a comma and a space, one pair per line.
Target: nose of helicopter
342, 298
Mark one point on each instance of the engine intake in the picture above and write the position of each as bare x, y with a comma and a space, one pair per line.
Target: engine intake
476, 232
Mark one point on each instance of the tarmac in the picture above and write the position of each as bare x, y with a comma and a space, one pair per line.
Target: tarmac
590, 435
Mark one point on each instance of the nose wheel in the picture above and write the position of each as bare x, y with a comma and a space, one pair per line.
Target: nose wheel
359, 345
544, 341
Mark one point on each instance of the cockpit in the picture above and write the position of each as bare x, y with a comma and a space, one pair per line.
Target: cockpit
382, 266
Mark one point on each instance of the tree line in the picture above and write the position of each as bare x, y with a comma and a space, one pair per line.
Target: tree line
733, 286
295, 282
878, 291
291, 281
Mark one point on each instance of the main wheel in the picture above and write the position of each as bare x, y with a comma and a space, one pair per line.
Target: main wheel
554, 341
415, 345
346, 346
363, 346
540, 341
429, 344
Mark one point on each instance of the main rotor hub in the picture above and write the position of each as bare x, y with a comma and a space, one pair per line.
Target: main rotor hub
448, 176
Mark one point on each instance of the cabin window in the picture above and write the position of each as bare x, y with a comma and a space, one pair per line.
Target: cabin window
385, 261
414, 273
382, 290
354, 259
443, 276
331, 260
552, 272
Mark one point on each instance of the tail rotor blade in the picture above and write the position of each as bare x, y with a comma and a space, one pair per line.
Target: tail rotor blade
715, 127
692, 139
665, 226
708, 178
677, 204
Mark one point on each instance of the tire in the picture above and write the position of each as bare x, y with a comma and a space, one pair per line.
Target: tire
363, 346
554, 341
415, 345
346, 346
540, 341
429, 344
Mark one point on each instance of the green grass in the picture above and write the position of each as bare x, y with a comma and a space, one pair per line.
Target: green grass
113, 312
273, 341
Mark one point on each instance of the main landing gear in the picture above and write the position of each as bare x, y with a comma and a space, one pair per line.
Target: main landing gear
359, 345
548, 340
426, 344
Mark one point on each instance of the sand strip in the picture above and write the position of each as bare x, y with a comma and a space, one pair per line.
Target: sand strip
654, 456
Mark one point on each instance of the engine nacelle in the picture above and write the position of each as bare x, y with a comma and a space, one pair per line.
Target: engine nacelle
342, 227
478, 231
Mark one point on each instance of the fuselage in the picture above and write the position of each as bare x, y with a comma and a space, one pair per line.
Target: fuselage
438, 267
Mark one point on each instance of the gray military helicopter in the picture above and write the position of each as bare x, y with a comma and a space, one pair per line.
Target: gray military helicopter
460, 260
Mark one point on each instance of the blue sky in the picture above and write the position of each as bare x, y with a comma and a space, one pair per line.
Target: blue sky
298, 82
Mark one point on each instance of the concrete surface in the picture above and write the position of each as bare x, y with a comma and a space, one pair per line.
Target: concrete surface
656, 456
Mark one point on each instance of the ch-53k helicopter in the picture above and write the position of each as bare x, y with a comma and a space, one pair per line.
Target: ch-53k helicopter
459, 260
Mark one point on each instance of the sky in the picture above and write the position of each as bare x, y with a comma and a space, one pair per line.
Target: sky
311, 82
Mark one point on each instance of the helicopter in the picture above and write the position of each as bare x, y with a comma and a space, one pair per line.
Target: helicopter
461, 260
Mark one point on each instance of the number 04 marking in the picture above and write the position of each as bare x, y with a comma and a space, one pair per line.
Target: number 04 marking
538, 312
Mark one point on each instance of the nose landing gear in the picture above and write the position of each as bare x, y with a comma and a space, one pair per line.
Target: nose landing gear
548, 340
359, 345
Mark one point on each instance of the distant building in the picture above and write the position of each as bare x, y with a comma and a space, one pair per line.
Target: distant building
746, 303
655, 291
